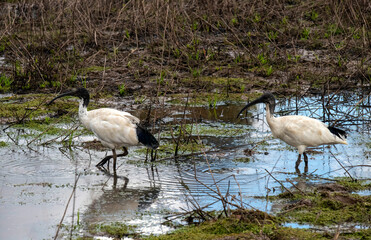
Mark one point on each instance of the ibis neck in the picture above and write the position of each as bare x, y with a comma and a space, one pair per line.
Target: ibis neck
269, 113
83, 111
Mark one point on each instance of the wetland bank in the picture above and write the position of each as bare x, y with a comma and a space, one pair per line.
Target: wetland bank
185, 68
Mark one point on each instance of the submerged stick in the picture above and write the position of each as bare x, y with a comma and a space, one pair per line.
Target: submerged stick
65, 210
354, 180
279, 182
295, 186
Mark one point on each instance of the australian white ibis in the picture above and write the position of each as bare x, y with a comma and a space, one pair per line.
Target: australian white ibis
299, 131
114, 128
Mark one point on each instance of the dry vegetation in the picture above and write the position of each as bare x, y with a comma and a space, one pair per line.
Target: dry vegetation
157, 47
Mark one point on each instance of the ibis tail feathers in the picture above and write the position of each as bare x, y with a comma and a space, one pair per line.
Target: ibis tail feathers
146, 138
338, 132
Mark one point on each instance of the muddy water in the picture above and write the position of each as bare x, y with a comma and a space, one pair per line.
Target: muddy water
37, 183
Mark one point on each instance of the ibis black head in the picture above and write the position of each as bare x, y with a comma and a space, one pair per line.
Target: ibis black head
266, 98
81, 93
146, 138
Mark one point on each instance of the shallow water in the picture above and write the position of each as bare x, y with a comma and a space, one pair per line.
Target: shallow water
36, 183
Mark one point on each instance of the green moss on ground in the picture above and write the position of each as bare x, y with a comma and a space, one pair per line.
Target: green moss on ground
242, 224
210, 99
18, 106
29, 107
330, 204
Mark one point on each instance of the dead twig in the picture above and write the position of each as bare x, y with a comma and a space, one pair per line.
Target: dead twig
68, 202
343, 167
279, 182
295, 186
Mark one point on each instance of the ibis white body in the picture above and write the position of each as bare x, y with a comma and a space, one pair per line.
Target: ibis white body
301, 131
114, 128
298, 131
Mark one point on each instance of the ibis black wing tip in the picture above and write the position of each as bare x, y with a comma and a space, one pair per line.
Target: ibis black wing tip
338, 132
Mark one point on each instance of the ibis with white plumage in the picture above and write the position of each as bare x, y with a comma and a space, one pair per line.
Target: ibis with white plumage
114, 128
298, 131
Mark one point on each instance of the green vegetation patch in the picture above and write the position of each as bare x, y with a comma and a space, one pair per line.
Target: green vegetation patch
37, 127
360, 234
234, 84
220, 130
94, 69
242, 224
353, 186
167, 149
34, 106
209, 99
330, 204
217, 129
21, 106
116, 230
331, 210
5, 83
33, 110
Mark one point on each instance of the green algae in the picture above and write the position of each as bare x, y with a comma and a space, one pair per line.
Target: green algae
40, 127
219, 130
215, 130
115, 229
167, 149
3, 144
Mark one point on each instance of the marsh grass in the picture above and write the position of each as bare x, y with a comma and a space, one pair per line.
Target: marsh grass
53, 44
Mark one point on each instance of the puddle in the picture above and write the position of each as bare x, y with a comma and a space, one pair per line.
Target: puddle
36, 184
364, 193
297, 225
344, 227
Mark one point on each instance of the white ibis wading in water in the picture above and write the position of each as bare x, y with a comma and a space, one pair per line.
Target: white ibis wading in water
114, 128
299, 131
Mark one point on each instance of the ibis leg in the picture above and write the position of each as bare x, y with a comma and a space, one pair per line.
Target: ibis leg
104, 160
298, 162
306, 162
114, 160
107, 158
124, 153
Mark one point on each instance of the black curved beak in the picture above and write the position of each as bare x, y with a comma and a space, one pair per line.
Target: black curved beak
62, 95
256, 101
243, 109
